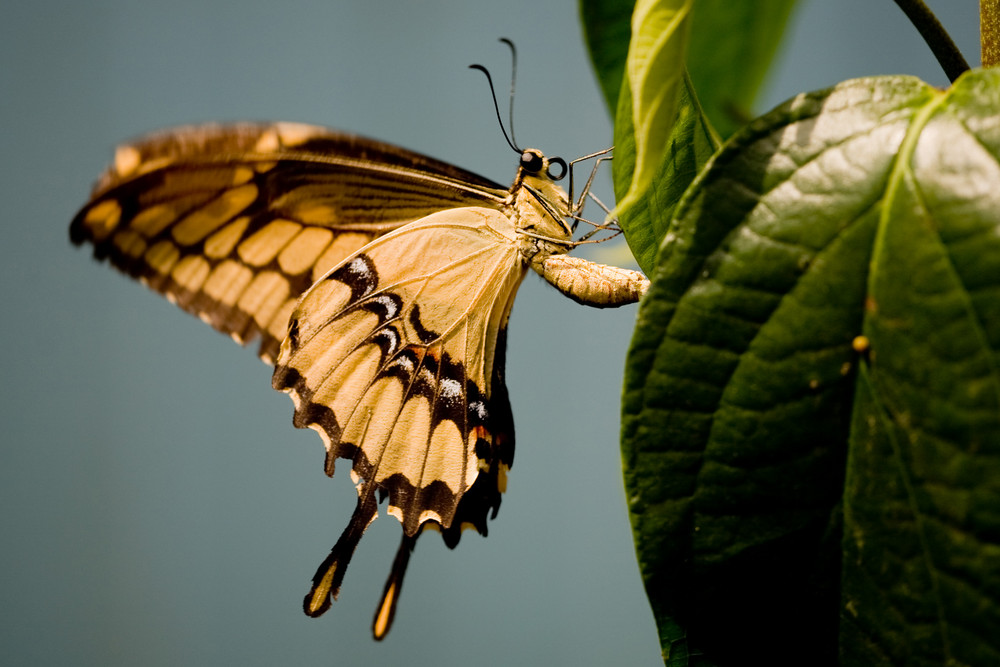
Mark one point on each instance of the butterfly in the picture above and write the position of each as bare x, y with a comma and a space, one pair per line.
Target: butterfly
378, 281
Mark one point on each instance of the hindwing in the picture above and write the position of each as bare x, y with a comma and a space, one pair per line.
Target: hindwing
393, 357
396, 358
234, 222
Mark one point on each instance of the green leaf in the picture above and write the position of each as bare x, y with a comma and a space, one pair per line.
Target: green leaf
606, 28
674, 139
731, 49
689, 148
654, 72
870, 208
656, 58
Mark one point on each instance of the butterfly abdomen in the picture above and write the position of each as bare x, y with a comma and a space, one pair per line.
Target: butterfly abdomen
592, 284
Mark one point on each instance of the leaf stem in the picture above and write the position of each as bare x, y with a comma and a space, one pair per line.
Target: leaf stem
989, 32
942, 46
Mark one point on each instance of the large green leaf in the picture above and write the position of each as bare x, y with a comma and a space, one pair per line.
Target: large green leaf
870, 209
731, 48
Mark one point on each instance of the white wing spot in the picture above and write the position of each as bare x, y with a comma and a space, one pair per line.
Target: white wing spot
391, 309
480, 409
359, 267
450, 389
404, 362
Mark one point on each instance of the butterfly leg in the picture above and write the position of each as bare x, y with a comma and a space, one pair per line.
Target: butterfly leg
609, 225
329, 576
576, 203
390, 595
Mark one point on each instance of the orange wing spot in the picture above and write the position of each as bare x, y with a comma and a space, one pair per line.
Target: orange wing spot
419, 350
227, 282
151, 221
162, 256
266, 243
210, 217
264, 166
129, 243
127, 160
264, 296
294, 134
303, 251
190, 272
268, 141
103, 217
322, 590
241, 175
222, 242
315, 213
383, 616
502, 477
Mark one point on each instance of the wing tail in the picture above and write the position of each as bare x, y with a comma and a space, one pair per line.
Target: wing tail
329, 576
390, 595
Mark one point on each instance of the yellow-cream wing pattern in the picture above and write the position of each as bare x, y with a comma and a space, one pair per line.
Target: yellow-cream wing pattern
379, 280
396, 358
234, 222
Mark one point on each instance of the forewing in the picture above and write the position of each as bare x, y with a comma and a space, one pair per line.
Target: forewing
396, 358
234, 223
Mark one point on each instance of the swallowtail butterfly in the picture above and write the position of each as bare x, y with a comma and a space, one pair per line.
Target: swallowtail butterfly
377, 281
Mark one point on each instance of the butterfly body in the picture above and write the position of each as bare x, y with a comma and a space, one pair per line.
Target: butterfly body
380, 283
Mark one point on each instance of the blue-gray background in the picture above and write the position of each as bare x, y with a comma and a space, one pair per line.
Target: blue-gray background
157, 506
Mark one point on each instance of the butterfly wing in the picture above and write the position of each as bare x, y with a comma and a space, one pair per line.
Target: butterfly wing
234, 222
396, 358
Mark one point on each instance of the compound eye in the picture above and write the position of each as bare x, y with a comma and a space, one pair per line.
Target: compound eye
557, 168
532, 161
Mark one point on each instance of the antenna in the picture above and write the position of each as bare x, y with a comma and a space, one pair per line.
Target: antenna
493, 92
513, 81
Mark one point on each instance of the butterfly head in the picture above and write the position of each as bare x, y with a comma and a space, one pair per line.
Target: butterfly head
539, 174
534, 163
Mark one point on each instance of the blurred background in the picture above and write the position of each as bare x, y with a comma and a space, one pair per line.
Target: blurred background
157, 507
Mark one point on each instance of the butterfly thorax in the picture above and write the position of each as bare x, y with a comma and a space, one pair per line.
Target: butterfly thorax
538, 207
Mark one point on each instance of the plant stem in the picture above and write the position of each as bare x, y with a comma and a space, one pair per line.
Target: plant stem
943, 48
989, 32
